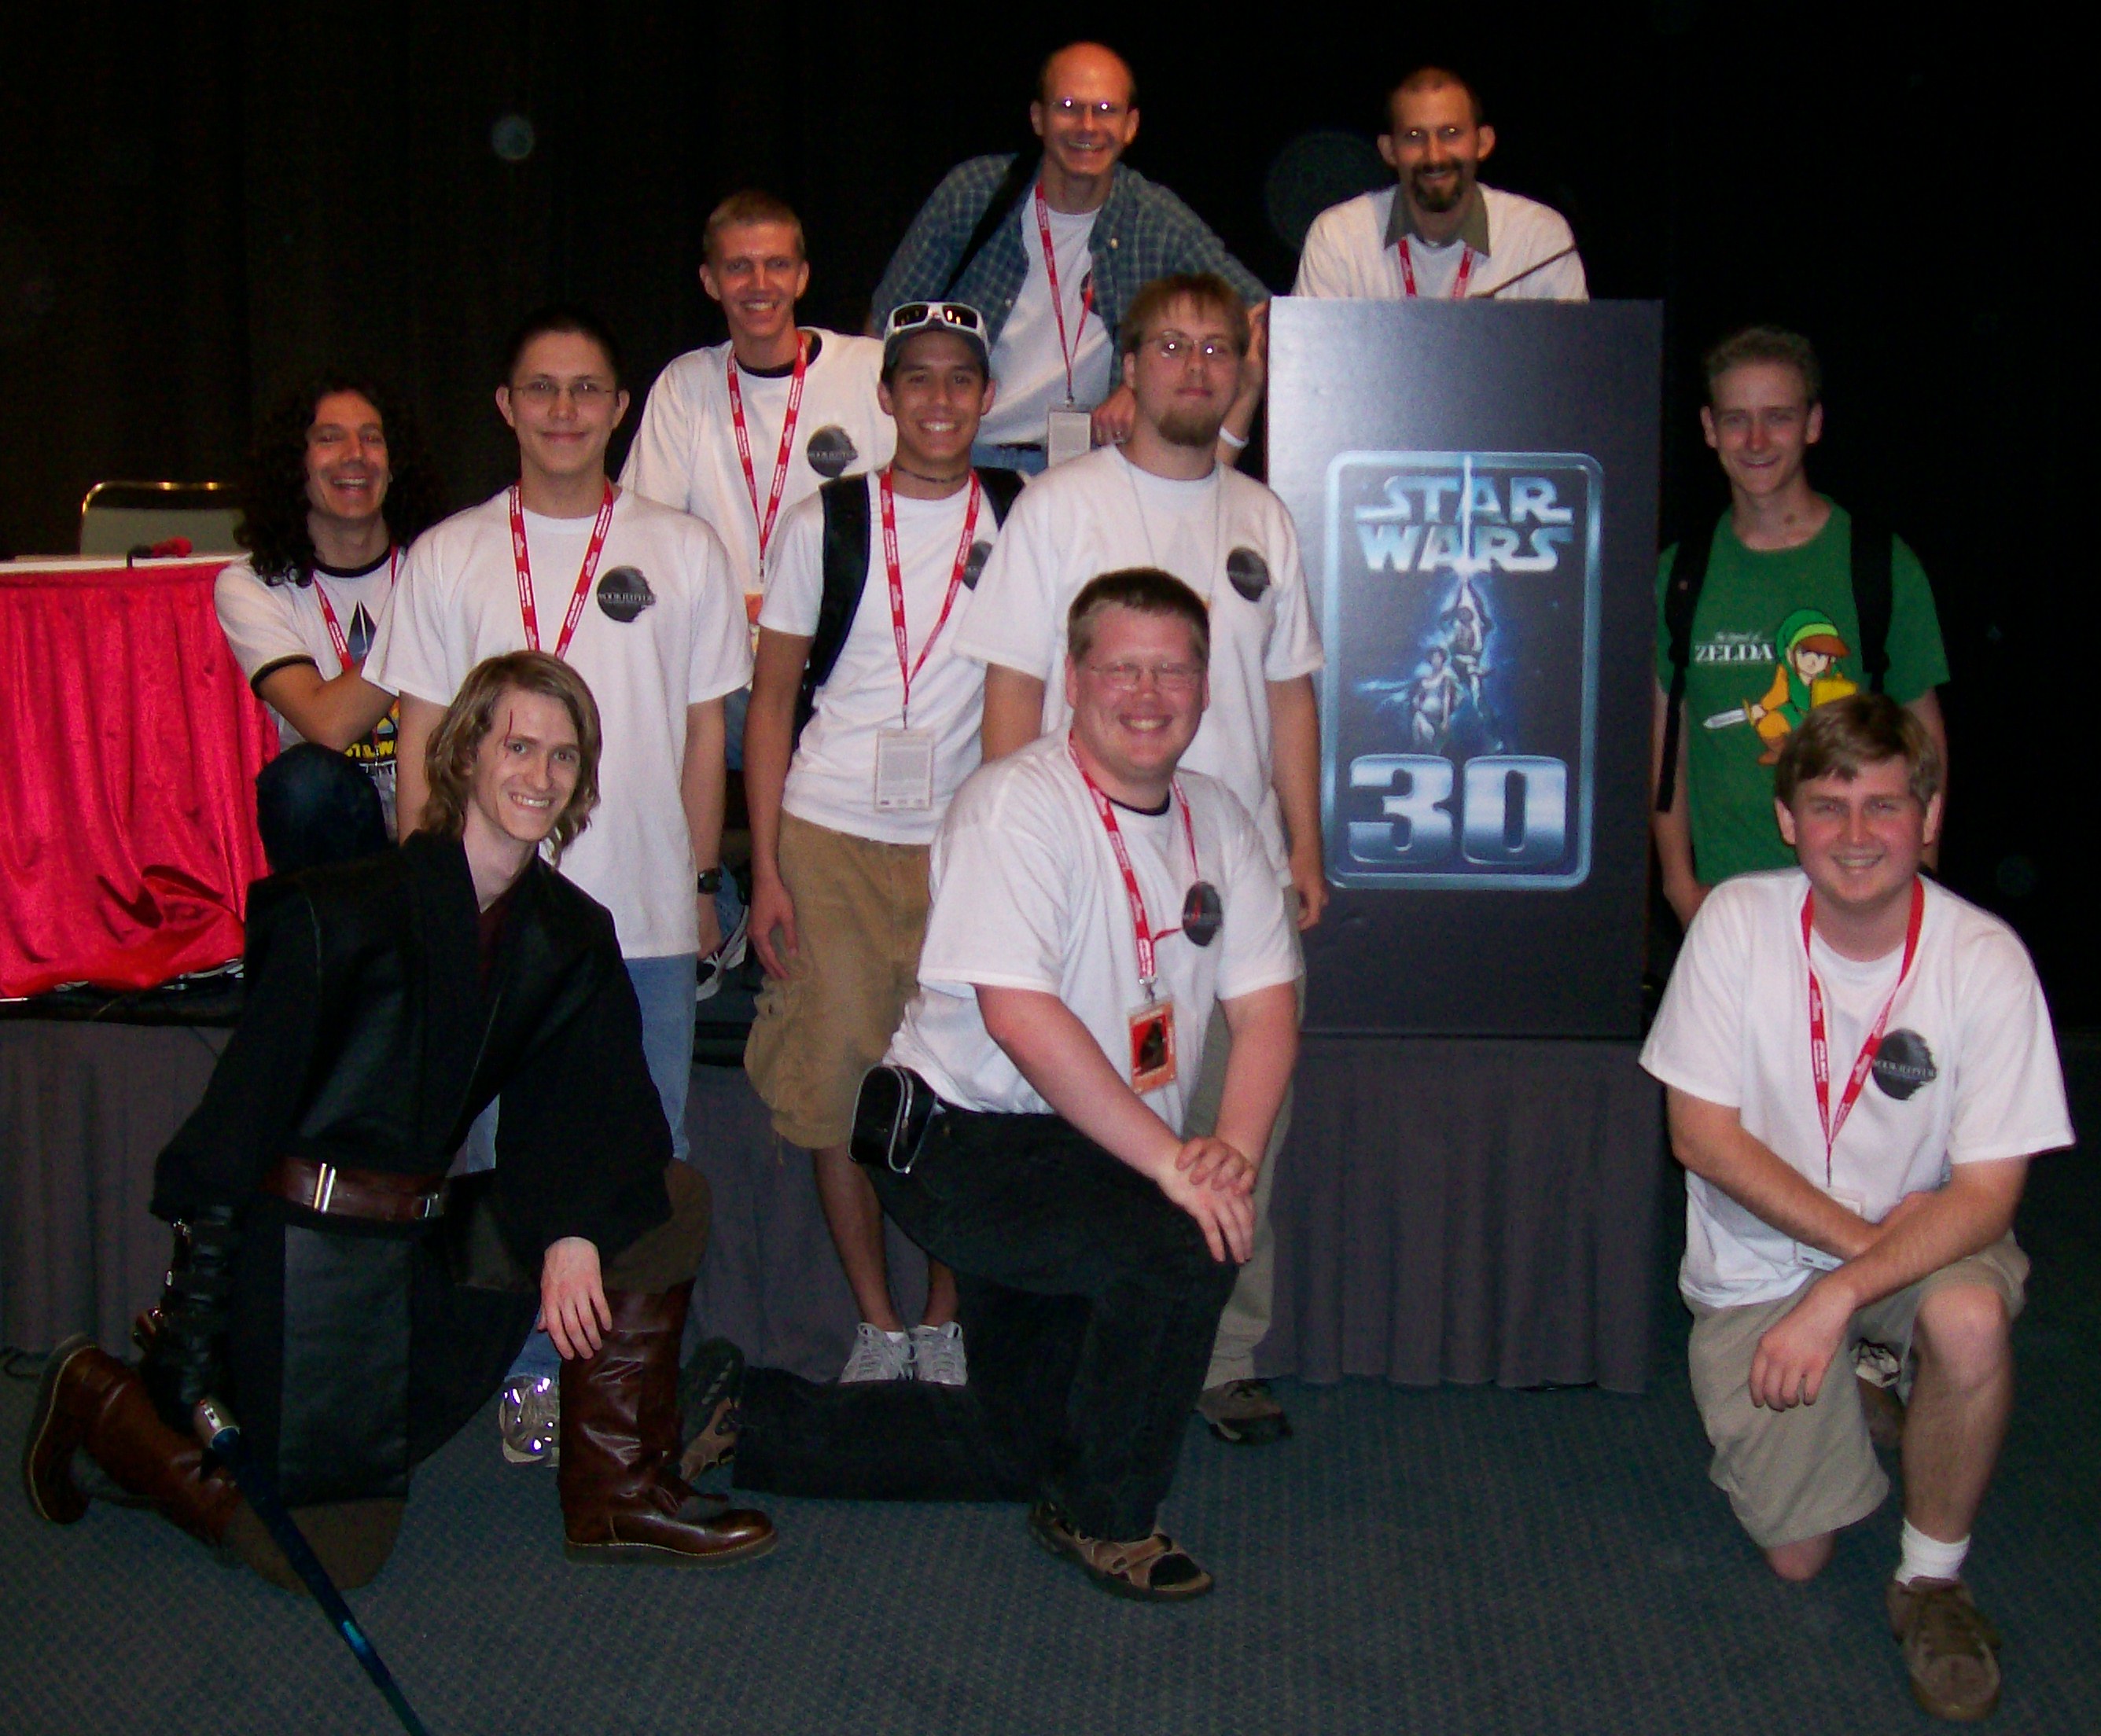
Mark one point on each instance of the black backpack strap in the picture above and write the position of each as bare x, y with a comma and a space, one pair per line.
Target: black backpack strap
1000, 488
1681, 600
1005, 196
846, 575
1873, 602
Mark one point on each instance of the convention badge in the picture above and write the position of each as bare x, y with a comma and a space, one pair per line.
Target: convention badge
1202, 911
1805, 1255
1152, 1046
1069, 433
903, 770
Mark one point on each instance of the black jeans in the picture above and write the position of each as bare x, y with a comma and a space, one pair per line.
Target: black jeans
1088, 1304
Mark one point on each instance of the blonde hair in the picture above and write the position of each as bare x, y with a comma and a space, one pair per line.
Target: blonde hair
449, 762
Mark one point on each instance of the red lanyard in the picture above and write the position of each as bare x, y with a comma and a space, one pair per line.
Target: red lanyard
1819, 1044
1458, 283
765, 520
584, 576
328, 615
1139, 920
1057, 301
908, 671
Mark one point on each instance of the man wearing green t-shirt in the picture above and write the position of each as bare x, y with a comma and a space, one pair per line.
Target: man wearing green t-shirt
1776, 631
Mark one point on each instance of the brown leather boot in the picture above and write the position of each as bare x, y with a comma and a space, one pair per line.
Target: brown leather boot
622, 1498
91, 1401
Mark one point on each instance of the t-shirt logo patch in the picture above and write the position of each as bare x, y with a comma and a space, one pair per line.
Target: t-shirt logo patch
1248, 572
974, 563
624, 594
831, 449
1903, 1064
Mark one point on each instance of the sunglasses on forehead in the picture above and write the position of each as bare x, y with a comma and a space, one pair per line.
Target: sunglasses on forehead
919, 316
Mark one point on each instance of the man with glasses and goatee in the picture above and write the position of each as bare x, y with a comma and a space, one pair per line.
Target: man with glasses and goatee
1054, 245
1165, 501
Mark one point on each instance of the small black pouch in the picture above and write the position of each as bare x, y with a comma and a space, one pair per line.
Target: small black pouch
891, 1118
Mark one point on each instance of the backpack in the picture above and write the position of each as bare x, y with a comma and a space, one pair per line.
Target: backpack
1872, 554
846, 532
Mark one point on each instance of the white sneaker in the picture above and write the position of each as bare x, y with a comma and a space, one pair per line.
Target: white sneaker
529, 1418
878, 1355
724, 959
937, 1354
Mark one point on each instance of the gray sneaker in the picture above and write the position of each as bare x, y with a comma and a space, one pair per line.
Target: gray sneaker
937, 1354
878, 1355
1244, 1413
529, 1417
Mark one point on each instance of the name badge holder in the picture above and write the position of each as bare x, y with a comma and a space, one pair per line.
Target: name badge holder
904, 756
1152, 1046
1068, 433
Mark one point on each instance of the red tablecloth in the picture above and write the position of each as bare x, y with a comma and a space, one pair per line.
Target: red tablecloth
127, 803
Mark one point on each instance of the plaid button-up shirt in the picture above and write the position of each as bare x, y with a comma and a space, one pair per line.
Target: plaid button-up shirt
1142, 232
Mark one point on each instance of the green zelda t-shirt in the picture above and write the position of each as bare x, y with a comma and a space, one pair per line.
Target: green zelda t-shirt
1774, 634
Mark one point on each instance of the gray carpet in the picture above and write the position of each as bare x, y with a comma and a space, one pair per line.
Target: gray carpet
1446, 1561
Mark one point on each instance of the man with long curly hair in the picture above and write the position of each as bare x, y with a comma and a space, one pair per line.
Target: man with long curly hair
338, 484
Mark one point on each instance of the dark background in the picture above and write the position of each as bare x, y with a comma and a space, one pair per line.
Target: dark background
200, 201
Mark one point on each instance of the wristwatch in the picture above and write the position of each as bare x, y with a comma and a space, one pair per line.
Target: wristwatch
710, 880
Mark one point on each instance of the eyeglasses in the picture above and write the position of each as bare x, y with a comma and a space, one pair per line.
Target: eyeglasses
584, 394
1127, 678
1179, 346
919, 316
1072, 108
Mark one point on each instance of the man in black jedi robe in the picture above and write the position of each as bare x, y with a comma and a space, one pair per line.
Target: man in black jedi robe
353, 1307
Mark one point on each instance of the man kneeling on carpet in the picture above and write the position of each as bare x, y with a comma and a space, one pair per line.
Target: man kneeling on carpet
350, 1305
1853, 1169
1088, 907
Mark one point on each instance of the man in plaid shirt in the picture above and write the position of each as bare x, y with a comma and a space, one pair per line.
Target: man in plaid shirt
1052, 255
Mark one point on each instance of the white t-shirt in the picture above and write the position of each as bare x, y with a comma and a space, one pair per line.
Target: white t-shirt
831, 781
684, 453
1227, 536
664, 631
1346, 253
270, 626
1027, 894
1028, 361
1967, 1072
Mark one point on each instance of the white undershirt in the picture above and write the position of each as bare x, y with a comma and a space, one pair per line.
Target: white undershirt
1026, 360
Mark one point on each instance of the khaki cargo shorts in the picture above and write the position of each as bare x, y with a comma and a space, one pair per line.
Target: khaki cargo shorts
1800, 1473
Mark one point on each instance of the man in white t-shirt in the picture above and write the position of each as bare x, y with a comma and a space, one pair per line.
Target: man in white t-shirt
638, 599
1861, 1066
1090, 907
840, 831
1164, 501
1439, 231
338, 484
1054, 248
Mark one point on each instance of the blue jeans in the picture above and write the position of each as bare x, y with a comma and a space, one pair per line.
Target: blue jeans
1031, 460
665, 988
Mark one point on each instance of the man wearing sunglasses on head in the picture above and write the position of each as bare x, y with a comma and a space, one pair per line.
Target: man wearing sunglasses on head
1053, 247
1091, 906
863, 721
1165, 501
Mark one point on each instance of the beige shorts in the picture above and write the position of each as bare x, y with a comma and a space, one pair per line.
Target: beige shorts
1798, 1474
860, 915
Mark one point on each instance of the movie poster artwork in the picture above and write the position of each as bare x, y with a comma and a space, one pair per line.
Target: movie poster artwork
1461, 608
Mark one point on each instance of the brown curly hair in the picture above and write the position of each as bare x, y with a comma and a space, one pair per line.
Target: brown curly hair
449, 762
273, 483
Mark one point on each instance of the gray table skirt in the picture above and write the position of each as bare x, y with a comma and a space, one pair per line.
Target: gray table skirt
1472, 1210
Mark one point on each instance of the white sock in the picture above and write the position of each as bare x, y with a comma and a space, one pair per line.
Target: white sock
1925, 1557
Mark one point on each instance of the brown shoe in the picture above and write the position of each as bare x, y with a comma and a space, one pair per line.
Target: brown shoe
89, 1402
1151, 1568
1950, 1647
1244, 1413
622, 1500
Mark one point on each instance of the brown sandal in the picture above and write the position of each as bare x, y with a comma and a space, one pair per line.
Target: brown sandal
1151, 1568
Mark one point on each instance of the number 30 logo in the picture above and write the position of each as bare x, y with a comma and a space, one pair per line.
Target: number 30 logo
1512, 812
